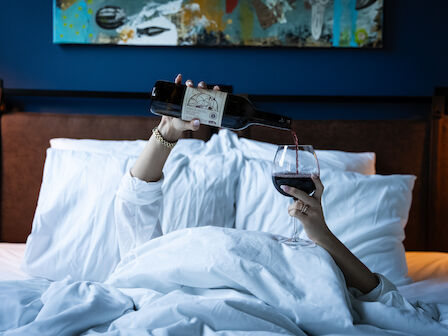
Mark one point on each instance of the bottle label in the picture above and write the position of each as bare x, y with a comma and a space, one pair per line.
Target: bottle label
205, 105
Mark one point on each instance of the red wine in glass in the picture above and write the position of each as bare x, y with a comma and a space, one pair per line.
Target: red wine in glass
296, 180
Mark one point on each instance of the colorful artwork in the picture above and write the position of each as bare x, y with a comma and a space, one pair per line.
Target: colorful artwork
286, 23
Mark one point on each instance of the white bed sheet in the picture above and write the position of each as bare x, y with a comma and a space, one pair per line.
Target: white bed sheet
429, 290
10, 258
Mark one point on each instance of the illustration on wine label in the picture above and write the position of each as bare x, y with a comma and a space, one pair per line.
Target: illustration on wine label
205, 105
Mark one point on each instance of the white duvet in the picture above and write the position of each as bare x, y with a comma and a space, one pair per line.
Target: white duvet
211, 280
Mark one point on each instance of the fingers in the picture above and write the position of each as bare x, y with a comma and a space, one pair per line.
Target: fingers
295, 213
319, 187
194, 124
189, 82
295, 210
178, 80
299, 194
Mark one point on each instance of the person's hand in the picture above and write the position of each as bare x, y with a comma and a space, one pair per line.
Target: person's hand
172, 128
308, 210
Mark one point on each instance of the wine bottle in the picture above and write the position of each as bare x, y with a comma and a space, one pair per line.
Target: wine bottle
214, 108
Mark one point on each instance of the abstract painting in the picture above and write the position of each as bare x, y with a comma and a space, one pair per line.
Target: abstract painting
261, 23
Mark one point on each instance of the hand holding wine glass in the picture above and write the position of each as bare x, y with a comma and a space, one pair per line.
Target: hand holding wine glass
312, 219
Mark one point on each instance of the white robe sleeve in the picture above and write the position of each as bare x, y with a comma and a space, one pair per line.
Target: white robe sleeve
385, 308
137, 208
379, 293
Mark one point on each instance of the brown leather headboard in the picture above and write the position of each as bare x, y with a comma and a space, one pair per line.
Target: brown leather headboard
401, 147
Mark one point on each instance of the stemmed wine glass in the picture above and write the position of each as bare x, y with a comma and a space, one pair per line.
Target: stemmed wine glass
293, 166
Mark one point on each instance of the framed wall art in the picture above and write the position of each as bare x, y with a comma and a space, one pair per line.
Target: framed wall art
222, 23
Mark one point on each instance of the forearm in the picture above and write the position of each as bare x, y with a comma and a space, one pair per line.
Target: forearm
149, 164
356, 274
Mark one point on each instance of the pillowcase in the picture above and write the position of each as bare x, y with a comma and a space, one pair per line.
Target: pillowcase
123, 147
367, 213
73, 228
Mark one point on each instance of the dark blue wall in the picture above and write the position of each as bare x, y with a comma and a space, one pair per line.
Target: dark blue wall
413, 61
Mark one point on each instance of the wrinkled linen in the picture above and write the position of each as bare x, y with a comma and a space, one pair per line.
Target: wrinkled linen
210, 280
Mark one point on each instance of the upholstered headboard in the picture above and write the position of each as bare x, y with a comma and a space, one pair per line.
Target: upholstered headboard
402, 146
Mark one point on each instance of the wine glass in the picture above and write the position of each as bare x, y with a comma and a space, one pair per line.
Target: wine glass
293, 166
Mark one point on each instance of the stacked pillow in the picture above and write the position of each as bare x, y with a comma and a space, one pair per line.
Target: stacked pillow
73, 228
224, 182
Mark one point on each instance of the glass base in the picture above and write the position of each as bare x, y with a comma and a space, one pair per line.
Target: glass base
296, 242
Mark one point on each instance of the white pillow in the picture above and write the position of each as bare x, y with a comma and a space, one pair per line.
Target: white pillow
259, 206
123, 147
73, 228
363, 163
368, 213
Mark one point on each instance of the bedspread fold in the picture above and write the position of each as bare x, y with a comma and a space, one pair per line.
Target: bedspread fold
214, 281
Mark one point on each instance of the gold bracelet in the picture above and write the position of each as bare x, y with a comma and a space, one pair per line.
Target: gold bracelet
160, 139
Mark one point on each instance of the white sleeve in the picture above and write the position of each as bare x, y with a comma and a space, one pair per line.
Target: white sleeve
378, 293
137, 207
385, 307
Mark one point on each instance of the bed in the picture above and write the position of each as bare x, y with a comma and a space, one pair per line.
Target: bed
25, 138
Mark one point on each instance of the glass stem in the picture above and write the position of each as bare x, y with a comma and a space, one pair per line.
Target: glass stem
295, 236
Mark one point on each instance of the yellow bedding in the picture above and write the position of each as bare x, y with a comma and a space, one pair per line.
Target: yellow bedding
427, 265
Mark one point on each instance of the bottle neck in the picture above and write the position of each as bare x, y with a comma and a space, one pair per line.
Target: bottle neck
271, 120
